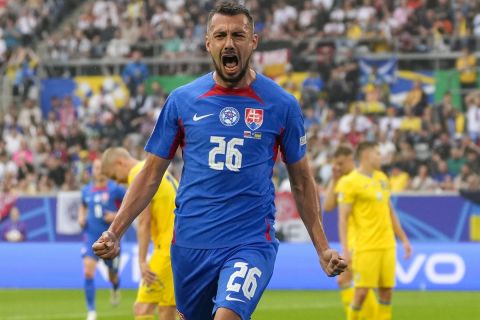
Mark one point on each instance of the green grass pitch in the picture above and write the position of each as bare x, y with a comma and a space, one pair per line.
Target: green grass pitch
277, 305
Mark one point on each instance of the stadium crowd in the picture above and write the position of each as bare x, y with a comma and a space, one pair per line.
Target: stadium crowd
426, 147
111, 29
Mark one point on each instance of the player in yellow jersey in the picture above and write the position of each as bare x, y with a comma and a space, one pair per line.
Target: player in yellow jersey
343, 164
365, 198
155, 222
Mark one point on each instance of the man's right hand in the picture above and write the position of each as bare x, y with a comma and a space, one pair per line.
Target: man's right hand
107, 246
147, 274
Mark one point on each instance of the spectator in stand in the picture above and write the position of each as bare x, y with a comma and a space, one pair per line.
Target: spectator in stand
23, 65
443, 145
473, 116
416, 99
456, 161
443, 178
14, 230
463, 179
118, 47
390, 122
355, 120
467, 66
30, 114
399, 179
311, 87
135, 73
411, 123
423, 181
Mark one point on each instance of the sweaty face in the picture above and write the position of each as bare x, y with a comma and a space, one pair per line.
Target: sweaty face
230, 41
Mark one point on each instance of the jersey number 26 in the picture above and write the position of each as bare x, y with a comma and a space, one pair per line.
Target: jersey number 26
233, 156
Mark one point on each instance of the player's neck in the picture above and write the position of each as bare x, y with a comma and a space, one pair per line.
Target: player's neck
131, 162
246, 81
100, 183
366, 169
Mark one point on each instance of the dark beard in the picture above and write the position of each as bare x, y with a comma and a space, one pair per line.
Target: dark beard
236, 79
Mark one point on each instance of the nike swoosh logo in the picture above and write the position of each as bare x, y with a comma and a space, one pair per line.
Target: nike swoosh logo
197, 118
228, 298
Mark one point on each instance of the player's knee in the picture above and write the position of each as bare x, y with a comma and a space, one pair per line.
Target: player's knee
88, 273
385, 294
143, 309
139, 309
361, 294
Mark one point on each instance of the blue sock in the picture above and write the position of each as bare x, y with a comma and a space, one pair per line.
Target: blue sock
90, 294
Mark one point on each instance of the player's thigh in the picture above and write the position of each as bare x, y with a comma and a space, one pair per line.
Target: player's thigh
161, 290
244, 277
366, 268
387, 272
195, 275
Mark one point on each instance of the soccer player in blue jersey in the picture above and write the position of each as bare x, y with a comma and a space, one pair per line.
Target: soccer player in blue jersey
100, 200
230, 125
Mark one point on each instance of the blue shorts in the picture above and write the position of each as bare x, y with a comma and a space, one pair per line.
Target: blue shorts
233, 278
87, 251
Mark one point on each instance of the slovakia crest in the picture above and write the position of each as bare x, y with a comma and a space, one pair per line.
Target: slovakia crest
253, 118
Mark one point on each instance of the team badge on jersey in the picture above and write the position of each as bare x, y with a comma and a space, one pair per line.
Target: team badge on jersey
229, 116
253, 118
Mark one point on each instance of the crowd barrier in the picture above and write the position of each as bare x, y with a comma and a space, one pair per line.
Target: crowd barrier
433, 266
426, 218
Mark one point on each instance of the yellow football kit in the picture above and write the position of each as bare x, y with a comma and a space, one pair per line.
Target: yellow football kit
373, 254
162, 209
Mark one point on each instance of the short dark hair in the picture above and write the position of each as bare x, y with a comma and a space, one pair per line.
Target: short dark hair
364, 146
230, 8
343, 150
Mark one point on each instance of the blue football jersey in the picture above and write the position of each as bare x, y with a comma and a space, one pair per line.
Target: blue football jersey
230, 139
99, 201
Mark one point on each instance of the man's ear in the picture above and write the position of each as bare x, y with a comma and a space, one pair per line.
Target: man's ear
255, 41
207, 43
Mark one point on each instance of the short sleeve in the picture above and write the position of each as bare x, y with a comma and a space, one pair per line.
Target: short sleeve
293, 139
168, 132
345, 192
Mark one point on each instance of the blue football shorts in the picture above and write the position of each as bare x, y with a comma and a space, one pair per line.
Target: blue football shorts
233, 278
87, 251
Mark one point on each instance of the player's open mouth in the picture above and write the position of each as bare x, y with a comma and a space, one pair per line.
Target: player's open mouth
230, 62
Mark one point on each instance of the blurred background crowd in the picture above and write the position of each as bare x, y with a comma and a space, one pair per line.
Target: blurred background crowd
426, 146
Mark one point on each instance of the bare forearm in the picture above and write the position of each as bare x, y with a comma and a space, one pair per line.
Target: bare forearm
143, 236
308, 204
397, 227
